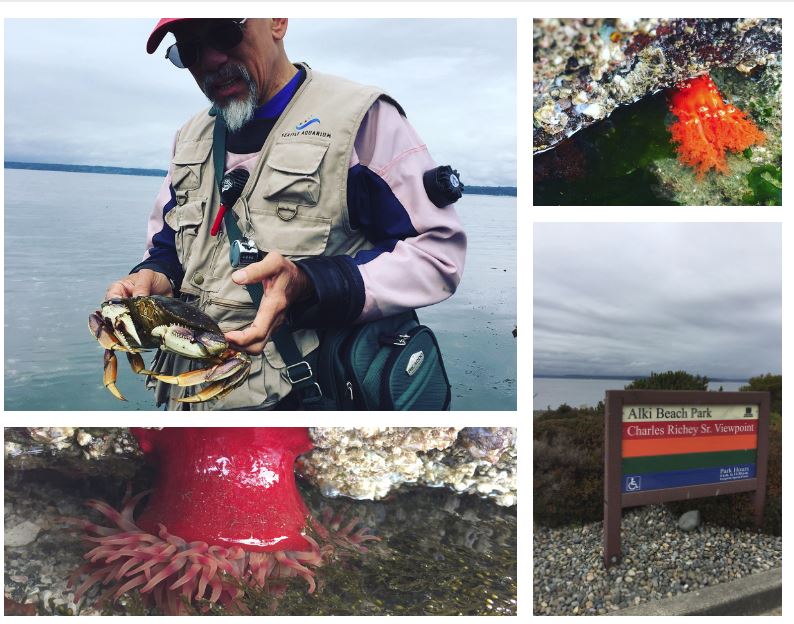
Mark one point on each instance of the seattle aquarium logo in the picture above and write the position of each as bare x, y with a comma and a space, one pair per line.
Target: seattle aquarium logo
305, 124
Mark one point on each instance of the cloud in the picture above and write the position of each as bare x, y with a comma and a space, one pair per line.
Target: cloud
616, 298
85, 92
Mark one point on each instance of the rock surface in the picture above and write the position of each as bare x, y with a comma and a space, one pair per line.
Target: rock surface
371, 463
71, 450
21, 534
361, 463
585, 68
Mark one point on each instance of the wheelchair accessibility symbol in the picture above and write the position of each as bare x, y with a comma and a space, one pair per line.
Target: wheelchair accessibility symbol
633, 484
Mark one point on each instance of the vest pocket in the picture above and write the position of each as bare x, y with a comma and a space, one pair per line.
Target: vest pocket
188, 158
299, 237
185, 221
292, 173
306, 340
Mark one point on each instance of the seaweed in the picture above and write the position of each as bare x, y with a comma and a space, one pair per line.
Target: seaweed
765, 184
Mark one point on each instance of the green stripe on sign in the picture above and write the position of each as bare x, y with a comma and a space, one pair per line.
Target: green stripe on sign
686, 461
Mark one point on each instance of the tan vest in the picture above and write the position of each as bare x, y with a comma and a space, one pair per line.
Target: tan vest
295, 203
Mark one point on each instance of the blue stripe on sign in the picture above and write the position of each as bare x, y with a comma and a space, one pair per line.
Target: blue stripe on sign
679, 478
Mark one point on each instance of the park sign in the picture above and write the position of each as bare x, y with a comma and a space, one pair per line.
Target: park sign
663, 445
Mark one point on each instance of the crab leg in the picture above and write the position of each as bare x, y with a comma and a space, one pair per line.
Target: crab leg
218, 389
111, 370
231, 363
136, 363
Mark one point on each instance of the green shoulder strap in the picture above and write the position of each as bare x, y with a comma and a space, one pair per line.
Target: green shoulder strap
298, 372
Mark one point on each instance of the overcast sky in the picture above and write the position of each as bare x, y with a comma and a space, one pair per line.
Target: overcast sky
615, 298
86, 92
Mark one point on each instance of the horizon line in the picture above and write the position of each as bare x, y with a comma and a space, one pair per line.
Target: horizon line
154, 171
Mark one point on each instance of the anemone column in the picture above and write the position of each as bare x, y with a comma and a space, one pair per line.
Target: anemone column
225, 514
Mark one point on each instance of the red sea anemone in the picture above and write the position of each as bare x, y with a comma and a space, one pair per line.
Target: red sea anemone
708, 126
225, 514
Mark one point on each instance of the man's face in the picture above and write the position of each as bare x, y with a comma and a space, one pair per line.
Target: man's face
236, 81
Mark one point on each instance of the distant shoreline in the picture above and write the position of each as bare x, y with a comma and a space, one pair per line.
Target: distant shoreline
510, 191
627, 377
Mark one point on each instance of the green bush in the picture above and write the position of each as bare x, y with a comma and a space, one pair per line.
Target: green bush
671, 380
768, 383
568, 466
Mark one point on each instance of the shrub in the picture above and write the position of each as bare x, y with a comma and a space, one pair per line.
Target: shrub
671, 380
568, 463
768, 383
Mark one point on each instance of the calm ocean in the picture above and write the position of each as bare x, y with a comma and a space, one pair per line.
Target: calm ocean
69, 235
553, 392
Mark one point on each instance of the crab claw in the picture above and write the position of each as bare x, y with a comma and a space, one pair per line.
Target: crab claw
101, 331
111, 370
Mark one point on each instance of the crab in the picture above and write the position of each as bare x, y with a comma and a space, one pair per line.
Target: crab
137, 324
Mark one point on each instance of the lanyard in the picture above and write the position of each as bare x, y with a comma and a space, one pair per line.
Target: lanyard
298, 372
232, 229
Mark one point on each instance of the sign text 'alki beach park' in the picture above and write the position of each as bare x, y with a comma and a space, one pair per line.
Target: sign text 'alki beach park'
663, 445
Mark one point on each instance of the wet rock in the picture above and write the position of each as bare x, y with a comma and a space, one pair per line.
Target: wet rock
72, 451
612, 62
22, 534
372, 463
83, 438
487, 443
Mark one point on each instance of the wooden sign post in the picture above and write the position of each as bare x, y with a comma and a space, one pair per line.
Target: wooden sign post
663, 445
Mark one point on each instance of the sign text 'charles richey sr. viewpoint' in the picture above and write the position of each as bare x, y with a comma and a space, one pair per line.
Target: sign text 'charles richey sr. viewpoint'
664, 445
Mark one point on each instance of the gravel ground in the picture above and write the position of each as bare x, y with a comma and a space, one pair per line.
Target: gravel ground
659, 561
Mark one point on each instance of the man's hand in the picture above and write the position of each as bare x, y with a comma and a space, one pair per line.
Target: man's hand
284, 284
141, 284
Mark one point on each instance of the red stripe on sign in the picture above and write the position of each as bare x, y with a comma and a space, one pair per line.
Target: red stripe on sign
688, 429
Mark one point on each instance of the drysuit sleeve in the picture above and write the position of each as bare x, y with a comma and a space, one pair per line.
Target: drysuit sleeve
417, 249
160, 254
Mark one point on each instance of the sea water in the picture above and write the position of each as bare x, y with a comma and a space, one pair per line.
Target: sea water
69, 235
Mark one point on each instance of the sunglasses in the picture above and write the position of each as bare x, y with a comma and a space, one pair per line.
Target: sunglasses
223, 36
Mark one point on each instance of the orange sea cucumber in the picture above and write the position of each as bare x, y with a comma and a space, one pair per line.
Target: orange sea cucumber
707, 126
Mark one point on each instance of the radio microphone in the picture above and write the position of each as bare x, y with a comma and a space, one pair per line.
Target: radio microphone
232, 185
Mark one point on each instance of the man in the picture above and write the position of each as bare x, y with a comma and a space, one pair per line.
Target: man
335, 198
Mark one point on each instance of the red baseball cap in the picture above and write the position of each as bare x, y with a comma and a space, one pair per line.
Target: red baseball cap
160, 31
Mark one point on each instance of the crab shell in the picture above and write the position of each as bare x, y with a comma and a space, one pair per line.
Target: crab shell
154, 322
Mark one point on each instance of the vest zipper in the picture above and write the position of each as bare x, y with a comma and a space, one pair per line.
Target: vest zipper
229, 305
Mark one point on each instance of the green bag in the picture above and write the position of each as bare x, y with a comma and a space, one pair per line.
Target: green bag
390, 364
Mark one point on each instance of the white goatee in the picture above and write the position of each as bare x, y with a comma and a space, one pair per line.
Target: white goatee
236, 112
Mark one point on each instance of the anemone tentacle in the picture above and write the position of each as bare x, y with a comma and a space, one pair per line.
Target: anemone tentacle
225, 515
